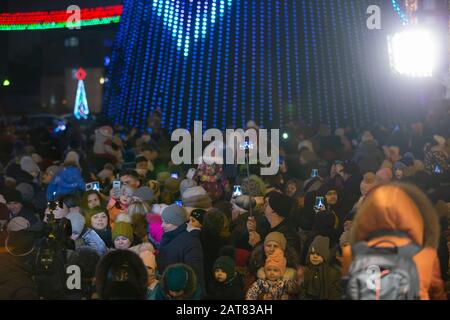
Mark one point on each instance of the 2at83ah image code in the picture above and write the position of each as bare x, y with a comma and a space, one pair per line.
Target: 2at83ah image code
243, 309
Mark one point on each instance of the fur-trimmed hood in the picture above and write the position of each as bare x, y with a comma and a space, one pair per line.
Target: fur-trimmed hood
401, 207
192, 284
118, 264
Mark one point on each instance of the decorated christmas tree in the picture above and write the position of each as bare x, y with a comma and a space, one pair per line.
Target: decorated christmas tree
81, 109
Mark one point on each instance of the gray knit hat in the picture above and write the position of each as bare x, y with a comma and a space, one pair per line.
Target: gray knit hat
174, 214
145, 194
27, 191
186, 184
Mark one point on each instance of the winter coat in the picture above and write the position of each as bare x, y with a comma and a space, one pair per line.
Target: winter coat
321, 282
67, 181
239, 233
232, 289
106, 236
275, 289
155, 230
192, 290
16, 282
211, 244
180, 246
404, 208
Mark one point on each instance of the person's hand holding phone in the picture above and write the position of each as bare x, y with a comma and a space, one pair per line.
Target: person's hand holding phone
251, 224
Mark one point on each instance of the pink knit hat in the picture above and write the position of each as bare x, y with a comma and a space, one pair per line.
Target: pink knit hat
385, 175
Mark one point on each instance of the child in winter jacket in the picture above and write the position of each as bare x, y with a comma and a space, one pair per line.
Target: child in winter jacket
227, 284
119, 203
321, 277
273, 287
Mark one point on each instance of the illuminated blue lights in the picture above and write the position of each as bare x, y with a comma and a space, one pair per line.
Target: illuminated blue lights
228, 61
400, 13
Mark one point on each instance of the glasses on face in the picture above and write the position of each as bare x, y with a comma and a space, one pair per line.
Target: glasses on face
121, 238
331, 193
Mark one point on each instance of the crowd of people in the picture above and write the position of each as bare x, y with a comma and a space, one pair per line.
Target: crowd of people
108, 199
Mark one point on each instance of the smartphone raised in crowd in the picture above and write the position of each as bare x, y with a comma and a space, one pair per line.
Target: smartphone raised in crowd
319, 204
237, 191
116, 184
314, 173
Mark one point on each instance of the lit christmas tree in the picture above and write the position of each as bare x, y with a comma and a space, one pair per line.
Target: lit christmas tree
81, 109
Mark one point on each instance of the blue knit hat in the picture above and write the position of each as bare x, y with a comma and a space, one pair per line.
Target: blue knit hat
176, 278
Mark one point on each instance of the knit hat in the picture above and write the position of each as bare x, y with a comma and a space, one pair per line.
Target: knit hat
52, 170
176, 278
174, 215
243, 202
253, 186
154, 186
408, 159
162, 177
369, 182
384, 175
122, 229
277, 237
12, 195
399, 166
36, 158
172, 185
196, 197
77, 221
26, 190
276, 259
227, 265
186, 184
145, 194
18, 224
198, 214
321, 246
280, 203
73, 157
27, 164
149, 259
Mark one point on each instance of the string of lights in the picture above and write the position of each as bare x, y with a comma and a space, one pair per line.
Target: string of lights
227, 61
40, 20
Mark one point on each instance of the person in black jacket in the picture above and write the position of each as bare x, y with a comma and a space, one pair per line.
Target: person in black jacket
178, 245
227, 283
277, 207
16, 263
14, 202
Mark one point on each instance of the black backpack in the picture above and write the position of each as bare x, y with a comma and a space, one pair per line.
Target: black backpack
383, 273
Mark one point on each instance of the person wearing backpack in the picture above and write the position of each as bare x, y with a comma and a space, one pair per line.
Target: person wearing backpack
393, 240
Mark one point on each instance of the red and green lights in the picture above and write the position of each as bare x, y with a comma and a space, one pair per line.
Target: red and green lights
40, 20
